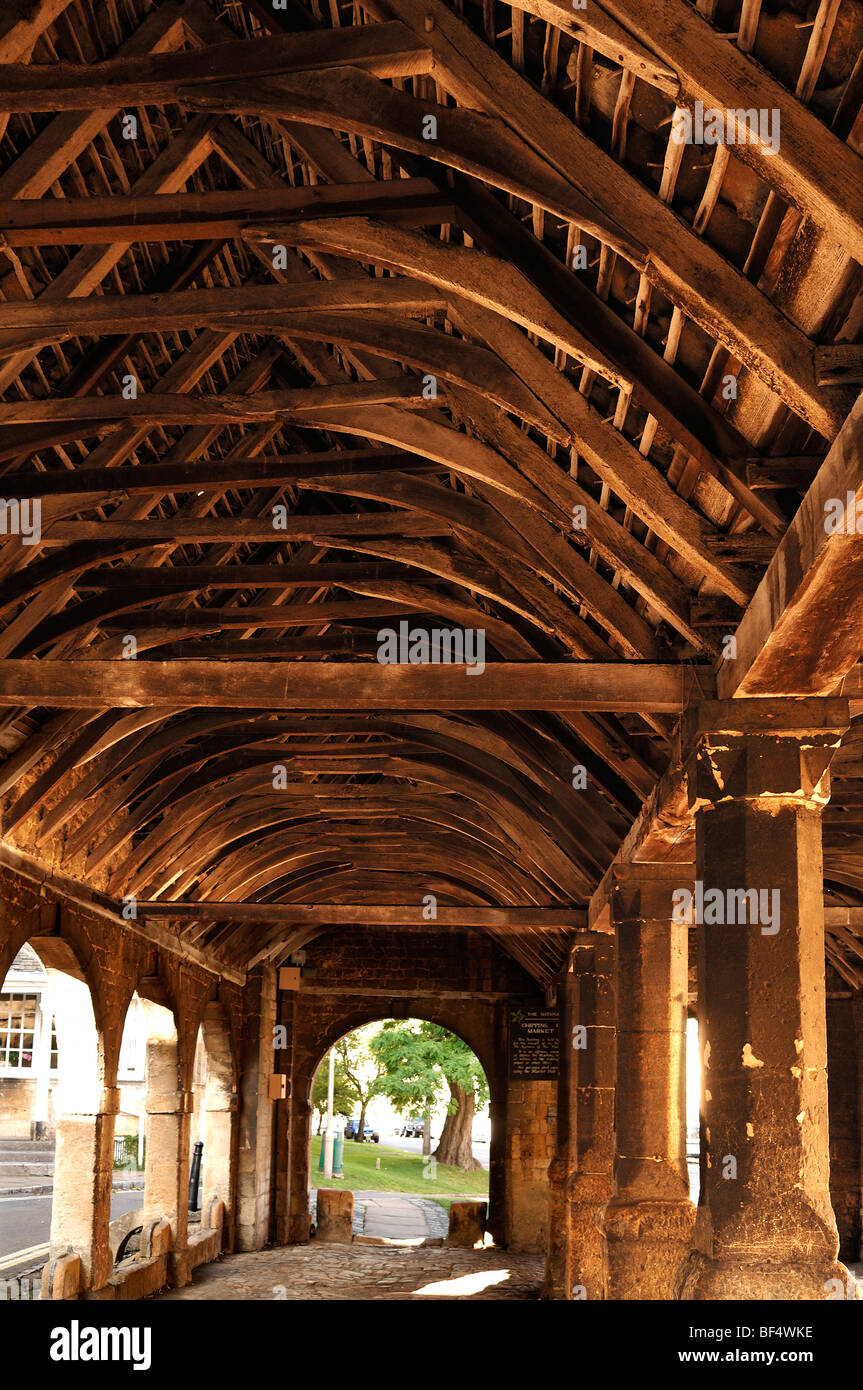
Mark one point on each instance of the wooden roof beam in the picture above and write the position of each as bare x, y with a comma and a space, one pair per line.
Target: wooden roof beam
387, 50
247, 307
815, 171
21, 26
371, 914
206, 474
694, 276
623, 687
612, 350
228, 408
219, 213
801, 633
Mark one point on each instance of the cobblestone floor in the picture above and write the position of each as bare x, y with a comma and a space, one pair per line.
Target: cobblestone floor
355, 1272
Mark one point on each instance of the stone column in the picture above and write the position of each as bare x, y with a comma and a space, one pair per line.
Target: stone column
845, 1115
166, 1176
648, 1224
83, 1175
299, 1220
84, 1156
757, 781
254, 1164
497, 1164
283, 1153
558, 1266
168, 1107
593, 1046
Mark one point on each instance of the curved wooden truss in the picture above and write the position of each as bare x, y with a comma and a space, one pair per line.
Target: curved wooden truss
446, 298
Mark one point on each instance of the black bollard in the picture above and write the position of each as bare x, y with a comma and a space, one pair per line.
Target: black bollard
195, 1177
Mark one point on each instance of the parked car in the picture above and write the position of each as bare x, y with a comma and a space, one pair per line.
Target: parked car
412, 1129
370, 1135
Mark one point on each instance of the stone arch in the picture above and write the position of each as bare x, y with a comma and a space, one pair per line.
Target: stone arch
85, 1098
479, 1037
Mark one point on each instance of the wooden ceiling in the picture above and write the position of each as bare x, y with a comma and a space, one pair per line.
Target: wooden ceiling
339, 263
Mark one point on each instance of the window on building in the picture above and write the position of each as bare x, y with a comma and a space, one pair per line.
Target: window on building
18, 1013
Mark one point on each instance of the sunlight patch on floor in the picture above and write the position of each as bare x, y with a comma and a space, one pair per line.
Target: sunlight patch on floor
465, 1285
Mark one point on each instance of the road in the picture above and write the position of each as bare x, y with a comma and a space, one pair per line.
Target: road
415, 1146
26, 1221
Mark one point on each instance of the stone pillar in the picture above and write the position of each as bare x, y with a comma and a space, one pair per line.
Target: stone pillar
497, 1160
757, 778
283, 1152
531, 1123
648, 1224
299, 1220
218, 1151
844, 1086
254, 1165
168, 1108
166, 1176
83, 1175
558, 1266
593, 1046
219, 1119
84, 1155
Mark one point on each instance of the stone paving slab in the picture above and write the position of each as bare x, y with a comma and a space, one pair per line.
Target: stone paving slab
395, 1217
436, 1216
365, 1273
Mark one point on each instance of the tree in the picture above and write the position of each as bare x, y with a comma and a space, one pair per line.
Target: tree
419, 1060
343, 1096
361, 1070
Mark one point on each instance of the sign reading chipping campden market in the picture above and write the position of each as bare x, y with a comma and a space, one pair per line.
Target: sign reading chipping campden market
534, 1044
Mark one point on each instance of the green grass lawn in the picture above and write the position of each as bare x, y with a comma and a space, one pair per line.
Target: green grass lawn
399, 1172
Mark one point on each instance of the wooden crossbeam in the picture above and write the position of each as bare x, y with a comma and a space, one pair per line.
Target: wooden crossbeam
387, 50
323, 528
220, 213
165, 579
228, 408
208, 475
370, 915
634, 687
234, 309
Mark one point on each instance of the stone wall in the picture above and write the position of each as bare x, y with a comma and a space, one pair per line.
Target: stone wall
17, 1094
461, 981
531, 1131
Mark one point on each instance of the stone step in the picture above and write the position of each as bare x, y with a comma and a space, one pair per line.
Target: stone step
25, 1149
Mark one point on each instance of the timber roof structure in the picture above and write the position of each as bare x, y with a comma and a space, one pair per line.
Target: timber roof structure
317, 318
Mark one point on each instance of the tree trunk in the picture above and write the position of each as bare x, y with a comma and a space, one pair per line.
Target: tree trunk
427, 1133
456, 1141
360, 1134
